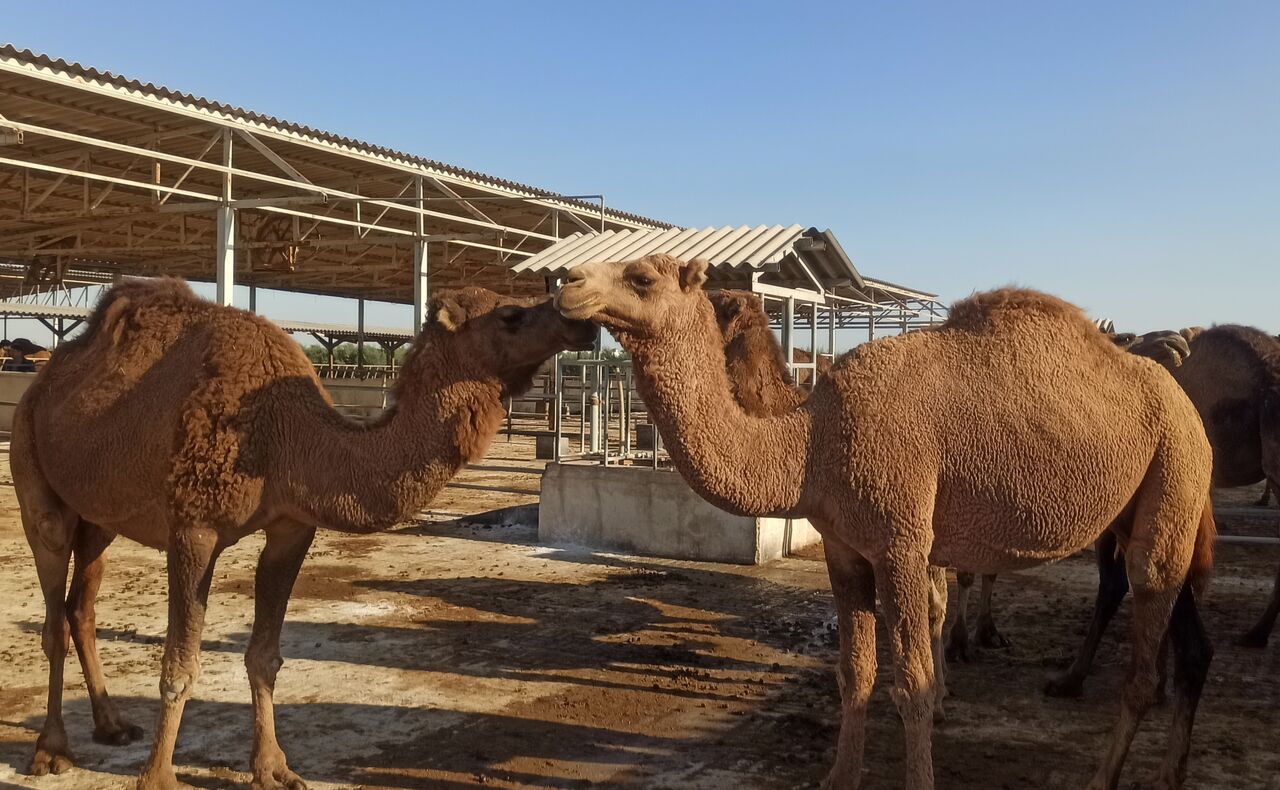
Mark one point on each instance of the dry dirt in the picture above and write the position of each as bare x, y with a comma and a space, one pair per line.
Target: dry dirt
459, 652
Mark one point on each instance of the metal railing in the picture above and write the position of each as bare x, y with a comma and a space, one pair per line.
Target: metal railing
608, 408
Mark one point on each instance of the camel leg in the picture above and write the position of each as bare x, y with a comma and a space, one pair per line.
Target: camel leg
287, 545
958, 638
50, 530
1265, 499
902, 579
1192, 654
1150, 620
988, 635
854, 589
1258, 635
1113, 586
937, 618
192, 553
90, 547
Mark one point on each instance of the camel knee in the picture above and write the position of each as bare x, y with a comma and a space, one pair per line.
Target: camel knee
263, 663
1142, 690
914, 700
178, 682
55, 639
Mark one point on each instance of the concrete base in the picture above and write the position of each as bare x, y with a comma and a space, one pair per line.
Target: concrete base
544, 448
654, 512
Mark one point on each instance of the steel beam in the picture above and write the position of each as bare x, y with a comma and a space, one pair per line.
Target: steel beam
225, 256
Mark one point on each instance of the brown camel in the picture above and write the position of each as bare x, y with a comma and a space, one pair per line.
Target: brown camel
1233, 377
1165, 346
1011, 436
216, 426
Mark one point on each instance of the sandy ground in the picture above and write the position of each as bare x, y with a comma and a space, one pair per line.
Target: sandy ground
459, 652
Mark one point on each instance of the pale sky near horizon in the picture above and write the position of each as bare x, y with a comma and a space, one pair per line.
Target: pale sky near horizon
1124, 156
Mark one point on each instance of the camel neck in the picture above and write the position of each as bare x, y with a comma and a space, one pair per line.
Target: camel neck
748, 465
367, 478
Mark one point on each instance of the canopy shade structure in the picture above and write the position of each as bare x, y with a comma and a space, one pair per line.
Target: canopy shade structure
782, 262
102, 173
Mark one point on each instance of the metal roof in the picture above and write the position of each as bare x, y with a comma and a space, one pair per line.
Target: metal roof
116, 175
788, 256
20, 310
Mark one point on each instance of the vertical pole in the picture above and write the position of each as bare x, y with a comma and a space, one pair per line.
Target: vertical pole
360, 337
831, 332
225, 262
420, 263
871, 324
788, 335
813, 342
253, 298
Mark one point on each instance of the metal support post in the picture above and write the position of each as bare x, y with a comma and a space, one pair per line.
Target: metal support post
421, 264
253, 298
225, 260
360, 337
788, 336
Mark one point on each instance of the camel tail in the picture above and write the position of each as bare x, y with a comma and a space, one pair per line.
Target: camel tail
1202, 555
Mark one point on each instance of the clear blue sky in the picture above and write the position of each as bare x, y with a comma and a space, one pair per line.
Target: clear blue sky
1125, 156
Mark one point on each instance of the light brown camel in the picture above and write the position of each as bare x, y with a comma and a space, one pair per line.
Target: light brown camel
1011, 436
1165, 346
1233, 377
186, 426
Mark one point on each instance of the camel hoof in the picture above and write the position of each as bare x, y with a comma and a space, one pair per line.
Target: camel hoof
121, 734
990, 636
1253, 639
277, 779
50, 761
957, 649
1064, 684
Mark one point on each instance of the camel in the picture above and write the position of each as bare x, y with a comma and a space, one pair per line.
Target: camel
1011, 436
1233, 378
217, 427
1165, 346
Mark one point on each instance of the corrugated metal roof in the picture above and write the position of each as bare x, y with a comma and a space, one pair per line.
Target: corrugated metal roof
20, 310
74, 72
764, 248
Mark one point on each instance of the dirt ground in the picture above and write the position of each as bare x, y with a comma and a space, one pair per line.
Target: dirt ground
459, 652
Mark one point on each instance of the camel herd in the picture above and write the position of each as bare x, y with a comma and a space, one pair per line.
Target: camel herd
1013, 434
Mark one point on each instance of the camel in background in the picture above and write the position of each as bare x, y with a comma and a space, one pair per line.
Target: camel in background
185, 426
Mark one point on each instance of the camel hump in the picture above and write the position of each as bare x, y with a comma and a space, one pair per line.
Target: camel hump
989, 308
1250, 343
133, 294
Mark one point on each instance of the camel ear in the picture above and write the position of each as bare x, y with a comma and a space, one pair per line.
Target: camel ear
448, 314
692, 275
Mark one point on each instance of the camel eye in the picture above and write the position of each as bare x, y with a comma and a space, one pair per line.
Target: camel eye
641, 280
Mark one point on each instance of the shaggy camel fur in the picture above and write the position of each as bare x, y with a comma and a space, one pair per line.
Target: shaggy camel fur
216, 427
1167, 347
1233, 377
1029, 435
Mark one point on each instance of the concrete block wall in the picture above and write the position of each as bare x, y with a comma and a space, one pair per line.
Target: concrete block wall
654, 512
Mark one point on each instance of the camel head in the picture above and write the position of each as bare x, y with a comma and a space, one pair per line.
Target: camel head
637, 298
737, 312
506, 338
1165, 346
